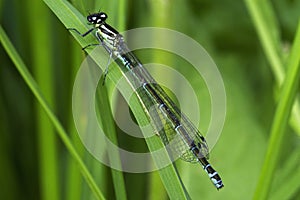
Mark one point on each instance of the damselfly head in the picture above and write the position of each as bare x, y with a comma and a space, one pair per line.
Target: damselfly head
97, 18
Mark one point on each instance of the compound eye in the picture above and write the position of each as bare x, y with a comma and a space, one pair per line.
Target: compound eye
103, 16
92, 18
97, 18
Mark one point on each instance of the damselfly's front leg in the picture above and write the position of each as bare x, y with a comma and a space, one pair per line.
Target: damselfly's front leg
83, 35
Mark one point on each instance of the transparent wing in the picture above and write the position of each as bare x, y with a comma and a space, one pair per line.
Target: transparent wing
183, 135
164, 115
178, 140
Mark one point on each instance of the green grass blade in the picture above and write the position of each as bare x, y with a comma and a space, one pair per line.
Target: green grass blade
267, 28
8, 179
287, 97
169, 175
160, 15
107, 122
71, 18
117, 13
73, 176
37, 93
47, 141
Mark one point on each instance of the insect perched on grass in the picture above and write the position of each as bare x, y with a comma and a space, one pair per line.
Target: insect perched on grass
189, 142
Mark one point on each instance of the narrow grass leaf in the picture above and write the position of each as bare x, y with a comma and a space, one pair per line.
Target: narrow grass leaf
37, 93
107, 122
72, 18
48, 157
267, 29
283, 110
73, 177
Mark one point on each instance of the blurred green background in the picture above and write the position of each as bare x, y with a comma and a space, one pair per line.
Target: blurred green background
248, 40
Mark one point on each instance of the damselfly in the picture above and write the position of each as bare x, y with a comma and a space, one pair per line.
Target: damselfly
191, 144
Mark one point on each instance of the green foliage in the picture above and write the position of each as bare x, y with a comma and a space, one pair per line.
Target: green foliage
256, 48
